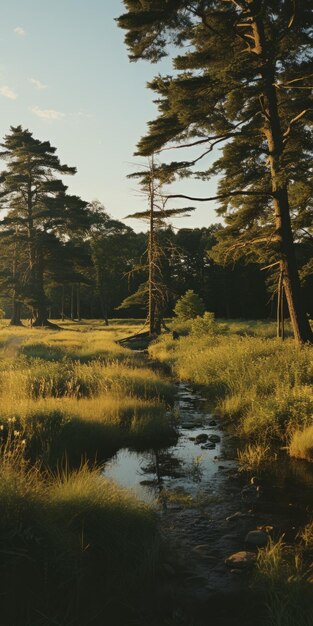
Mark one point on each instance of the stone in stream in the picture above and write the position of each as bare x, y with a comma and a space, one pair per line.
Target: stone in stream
208, 446
214, 438
212, 423
191, 425
241, 560
257, 538
202, 438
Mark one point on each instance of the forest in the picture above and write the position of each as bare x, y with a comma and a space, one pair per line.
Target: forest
65, 258
156, 399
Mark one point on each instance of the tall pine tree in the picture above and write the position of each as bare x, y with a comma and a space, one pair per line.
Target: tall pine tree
38, 209
243, 83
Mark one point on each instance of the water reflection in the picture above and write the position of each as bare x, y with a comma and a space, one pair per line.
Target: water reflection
185, 466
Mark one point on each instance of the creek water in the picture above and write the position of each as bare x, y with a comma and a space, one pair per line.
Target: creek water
206, 506
188, 467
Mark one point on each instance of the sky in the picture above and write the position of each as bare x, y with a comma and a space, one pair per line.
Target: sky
65, 75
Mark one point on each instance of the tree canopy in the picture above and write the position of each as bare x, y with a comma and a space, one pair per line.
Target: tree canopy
243, 84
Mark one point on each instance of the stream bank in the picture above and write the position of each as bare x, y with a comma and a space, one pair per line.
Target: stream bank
206, 509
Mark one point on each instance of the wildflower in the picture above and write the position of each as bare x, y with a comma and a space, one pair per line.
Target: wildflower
16, 433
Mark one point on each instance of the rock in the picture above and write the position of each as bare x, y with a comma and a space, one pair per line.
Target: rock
208, 446
148, 483
257, 538
212, 423
241, 560
191, 425
251, 492
214, 438
268, 529
192, 438
201, 438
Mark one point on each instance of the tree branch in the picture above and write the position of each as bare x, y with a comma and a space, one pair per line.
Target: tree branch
221, 136
295, 119
223, 196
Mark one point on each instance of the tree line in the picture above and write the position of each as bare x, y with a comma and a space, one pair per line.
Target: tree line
62, 257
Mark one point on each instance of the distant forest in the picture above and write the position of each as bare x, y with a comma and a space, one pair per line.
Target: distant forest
62, 257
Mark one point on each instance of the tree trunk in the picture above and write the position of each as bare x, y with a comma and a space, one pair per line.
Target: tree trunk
72, 302
16, 313
78, 301
274, 136
62, 304
16, 305
41, 301
151, 259
104, 310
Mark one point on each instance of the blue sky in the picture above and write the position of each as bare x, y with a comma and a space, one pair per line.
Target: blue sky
65, 75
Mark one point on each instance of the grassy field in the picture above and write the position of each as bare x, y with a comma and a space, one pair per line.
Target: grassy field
77, 392
75, 548
260, 385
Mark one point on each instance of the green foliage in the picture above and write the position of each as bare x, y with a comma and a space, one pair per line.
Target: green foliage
301, 444
204, 325
73, 548
189, 306
259, 384
286, 584
242, 83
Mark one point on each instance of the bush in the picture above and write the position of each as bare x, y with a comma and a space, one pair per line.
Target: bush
189, 306
204, 325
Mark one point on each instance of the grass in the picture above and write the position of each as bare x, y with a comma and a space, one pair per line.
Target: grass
301, 444
260, 385
75, 548
286, 583
253, 457
77, 394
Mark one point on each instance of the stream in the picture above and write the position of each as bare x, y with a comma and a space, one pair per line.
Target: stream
207, 507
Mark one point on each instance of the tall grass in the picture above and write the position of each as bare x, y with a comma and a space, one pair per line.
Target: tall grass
76, 393
285, 582
74, 547
261, 385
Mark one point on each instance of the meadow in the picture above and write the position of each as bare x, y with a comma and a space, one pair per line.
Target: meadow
260, 386
75, 548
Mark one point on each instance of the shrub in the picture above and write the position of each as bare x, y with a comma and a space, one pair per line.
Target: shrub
204, 325
189, 306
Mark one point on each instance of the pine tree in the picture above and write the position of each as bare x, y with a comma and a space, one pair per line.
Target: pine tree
38, 207
189, 306
243, 84
156, 215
